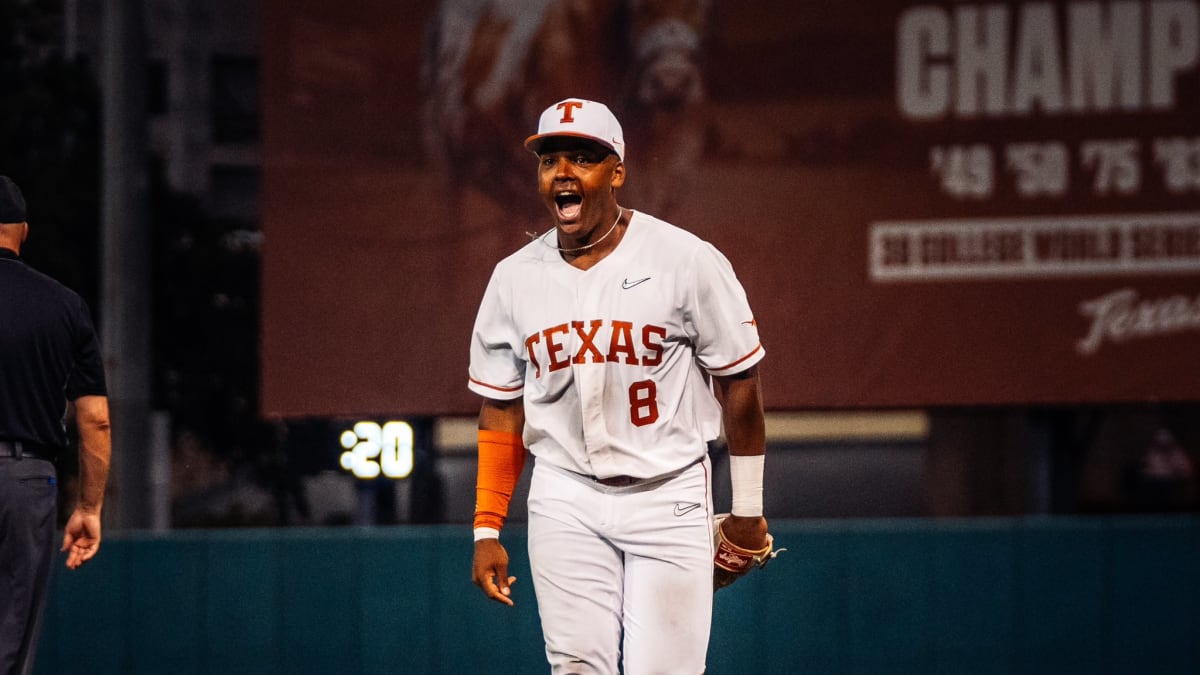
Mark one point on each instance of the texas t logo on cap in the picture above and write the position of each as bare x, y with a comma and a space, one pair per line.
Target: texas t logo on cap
583, 119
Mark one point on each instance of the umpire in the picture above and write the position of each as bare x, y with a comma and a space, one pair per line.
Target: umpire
49, 355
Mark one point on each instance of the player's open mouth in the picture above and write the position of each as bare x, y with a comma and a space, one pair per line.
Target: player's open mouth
569, 205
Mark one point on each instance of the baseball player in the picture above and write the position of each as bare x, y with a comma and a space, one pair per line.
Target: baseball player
613, 347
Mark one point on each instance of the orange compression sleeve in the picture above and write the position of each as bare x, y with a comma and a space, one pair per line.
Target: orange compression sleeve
501, 459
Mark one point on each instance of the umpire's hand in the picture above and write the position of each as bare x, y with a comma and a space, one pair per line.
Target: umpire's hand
82, 537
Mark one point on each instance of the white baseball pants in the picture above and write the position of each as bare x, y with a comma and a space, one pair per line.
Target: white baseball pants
636, 558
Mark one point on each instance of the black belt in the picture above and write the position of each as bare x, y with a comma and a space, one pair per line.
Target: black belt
626, 481
618, 481
26, 450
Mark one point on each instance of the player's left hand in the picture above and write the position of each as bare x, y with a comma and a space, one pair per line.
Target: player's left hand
747, 532
742, 543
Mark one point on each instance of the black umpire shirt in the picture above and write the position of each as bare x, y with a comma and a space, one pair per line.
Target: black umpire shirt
49, 354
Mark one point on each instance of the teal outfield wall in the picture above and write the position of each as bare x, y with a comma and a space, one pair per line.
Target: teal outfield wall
1078, 595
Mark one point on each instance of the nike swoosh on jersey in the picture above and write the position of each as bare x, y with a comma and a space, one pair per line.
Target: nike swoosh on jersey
627, 284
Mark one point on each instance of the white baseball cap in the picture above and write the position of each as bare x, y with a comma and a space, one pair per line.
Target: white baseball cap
583, 119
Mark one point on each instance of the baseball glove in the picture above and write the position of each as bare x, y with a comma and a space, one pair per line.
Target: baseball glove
731, 562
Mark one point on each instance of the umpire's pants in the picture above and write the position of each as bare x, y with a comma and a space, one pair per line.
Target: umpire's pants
28, 509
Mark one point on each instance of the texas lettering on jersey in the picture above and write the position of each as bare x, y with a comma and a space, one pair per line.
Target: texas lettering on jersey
613, 366
599, 341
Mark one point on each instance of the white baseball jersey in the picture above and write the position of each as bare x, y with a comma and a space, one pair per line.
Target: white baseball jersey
613, 360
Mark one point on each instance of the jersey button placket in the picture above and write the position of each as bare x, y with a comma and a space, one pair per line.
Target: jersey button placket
589, 382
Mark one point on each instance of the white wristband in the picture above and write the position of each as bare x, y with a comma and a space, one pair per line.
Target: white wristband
486, 533
746, 475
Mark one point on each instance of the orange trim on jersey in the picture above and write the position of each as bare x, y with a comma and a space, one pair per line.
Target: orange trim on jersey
492, 386
501, 459
726, 367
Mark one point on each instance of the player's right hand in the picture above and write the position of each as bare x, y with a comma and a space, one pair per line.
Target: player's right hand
489, 571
